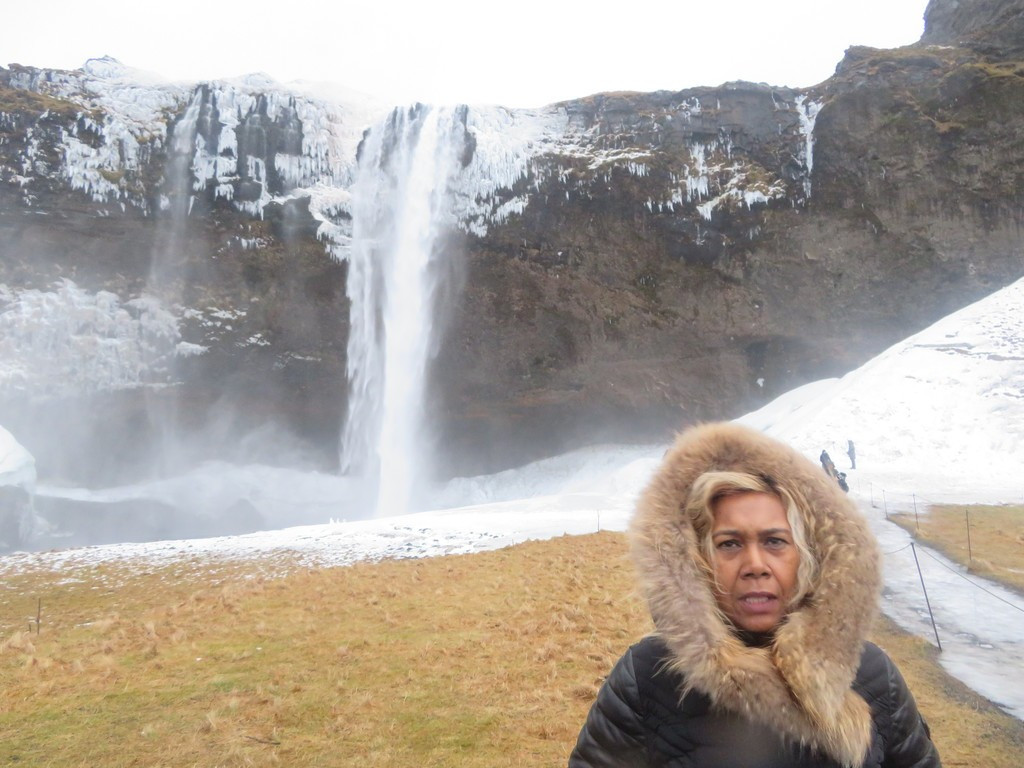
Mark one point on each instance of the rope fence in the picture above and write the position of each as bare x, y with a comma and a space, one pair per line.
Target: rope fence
888, 501
972, 583
883, 499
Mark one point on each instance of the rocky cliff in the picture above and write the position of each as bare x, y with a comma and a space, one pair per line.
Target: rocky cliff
647, 316
994, 28
629, 262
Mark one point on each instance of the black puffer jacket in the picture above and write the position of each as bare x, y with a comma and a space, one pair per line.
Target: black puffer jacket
814, 694
638, 721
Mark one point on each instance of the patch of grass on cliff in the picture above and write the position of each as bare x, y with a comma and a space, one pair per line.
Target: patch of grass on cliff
996, 546
114, 177
485, 660
997, 69
930, 57
19, 100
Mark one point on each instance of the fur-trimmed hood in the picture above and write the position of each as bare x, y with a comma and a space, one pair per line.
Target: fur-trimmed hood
800, 686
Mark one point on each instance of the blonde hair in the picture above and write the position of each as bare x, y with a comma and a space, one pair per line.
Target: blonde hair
712, 486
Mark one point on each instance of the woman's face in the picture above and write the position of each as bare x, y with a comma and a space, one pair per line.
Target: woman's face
755, 560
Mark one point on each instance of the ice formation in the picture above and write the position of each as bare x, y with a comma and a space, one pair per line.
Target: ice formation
808, 112
126, 115
515, 151
68, 340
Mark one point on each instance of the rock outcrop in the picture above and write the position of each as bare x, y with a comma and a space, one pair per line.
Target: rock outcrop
994, 28
630, 262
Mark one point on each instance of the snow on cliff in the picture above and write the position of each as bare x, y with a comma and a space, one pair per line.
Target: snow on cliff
17, 467
127, 113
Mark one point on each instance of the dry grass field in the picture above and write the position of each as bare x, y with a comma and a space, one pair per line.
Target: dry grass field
989, 540
487, 660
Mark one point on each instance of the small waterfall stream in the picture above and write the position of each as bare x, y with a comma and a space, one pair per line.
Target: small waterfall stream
165, 283
175, 203
401, 206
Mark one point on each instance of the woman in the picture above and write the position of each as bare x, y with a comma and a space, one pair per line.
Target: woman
762, 579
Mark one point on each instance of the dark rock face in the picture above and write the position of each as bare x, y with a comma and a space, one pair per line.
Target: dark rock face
991, 27
644, 319
675, 256
605, 317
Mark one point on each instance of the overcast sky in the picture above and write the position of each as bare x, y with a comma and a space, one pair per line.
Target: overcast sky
522, 54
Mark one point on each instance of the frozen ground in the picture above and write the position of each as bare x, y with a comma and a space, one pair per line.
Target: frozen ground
938, 417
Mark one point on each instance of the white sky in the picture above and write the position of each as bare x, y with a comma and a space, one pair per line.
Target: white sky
523, 54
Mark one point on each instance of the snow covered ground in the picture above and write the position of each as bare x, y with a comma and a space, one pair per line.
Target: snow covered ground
17, 467
938, 417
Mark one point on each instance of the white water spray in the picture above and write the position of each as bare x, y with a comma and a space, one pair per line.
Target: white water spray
396, 274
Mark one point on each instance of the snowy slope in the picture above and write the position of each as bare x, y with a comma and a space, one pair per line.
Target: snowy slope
941, 413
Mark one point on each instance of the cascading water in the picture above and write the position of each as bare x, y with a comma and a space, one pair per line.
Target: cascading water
401, 205
177, 202
164, 288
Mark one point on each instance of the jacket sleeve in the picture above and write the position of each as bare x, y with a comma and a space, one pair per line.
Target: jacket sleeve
905, 734
612, 736
910, 743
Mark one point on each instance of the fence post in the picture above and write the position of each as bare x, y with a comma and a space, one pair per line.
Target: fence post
926, 601
885, 505
970, 556
917, 520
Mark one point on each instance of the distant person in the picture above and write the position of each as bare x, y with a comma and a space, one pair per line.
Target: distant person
852, 453
841, 479
763, 580
826, 463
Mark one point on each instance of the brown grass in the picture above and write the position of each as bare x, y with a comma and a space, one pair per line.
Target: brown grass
20, 100
996, 546
490, 659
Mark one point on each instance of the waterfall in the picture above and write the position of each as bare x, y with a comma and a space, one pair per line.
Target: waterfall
396, 272
165, 286
176, 202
